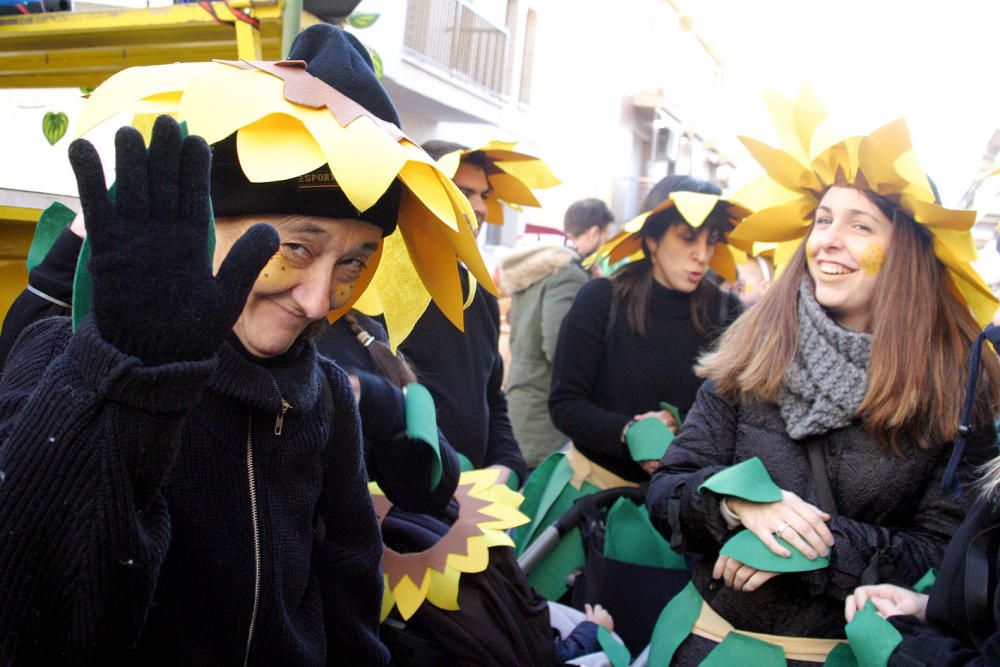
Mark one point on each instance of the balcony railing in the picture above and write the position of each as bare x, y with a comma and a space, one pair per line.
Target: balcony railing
453, 36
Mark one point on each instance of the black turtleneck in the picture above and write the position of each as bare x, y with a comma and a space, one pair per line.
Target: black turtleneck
602, 379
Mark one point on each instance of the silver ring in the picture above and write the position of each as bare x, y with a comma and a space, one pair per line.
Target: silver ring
782, 528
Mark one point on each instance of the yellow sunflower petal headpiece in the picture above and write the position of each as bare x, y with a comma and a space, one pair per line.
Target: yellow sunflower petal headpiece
811, 160
289, 123
695, 208
512, 176
487, 510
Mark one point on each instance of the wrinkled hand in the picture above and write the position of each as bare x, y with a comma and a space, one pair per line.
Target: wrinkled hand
806, 524
598, 614
154, 295
889, 600
664, 416
740, 577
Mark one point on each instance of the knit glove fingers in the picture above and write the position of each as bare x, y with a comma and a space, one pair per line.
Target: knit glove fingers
154, 295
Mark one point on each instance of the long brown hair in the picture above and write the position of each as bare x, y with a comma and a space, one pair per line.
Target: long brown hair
633, 283
921, 337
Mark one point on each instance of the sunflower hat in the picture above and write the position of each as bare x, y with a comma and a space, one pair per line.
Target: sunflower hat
811, 159
512, 176
282, 122
695, 208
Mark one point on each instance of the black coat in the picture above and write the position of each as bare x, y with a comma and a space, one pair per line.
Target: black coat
963, 613
893, 520
153, 515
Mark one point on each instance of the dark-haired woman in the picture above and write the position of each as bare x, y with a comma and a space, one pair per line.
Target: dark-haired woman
846, 381
629, 343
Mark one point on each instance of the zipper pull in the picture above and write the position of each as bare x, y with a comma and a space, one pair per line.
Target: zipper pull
280, 421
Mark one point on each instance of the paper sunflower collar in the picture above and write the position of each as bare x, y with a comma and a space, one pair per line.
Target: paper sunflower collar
487, 510
289, 123
695, 208
811, 160
512, 176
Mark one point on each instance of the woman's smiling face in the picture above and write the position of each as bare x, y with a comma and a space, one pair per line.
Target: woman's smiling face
314, 271
845, 252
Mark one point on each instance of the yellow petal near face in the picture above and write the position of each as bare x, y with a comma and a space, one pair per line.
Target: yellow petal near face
494, 211
424, 179
969, 284
533, 172
362, 285
781, 223
723, 262
449, 163
780, 166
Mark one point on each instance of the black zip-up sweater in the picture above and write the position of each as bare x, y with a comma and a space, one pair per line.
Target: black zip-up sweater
138, 505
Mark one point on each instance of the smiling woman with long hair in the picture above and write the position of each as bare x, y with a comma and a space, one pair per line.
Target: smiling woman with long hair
846, 381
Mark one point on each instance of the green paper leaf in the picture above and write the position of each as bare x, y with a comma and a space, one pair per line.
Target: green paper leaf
841, 656
926, 582
672, 409
614, 649
873, 639
674, 625
747, 548
54, 126
737, 649
630, 538
421, 424
51, 223
747, 480
361, 21
648, 439
86, 90
464, 464
376, 62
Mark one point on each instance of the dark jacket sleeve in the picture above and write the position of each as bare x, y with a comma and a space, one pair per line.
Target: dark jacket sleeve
582, 641
87, 435
502, 448
902, 554
348, 562
688, 519
576, 370
401, 466
924, 646
53, 277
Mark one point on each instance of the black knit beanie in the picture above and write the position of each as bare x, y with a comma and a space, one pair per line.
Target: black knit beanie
338, 59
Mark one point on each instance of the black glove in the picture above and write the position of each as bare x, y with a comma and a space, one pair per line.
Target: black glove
154, 295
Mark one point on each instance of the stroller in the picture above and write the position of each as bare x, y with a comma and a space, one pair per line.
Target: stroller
633, 584
454, 592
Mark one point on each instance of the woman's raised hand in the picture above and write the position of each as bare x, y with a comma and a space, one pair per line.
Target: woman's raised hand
889, 600
799, 523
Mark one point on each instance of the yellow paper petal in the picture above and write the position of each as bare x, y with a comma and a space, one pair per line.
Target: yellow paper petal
497, 538
477, 558
780, 166
694, 207
507, 188
128, 86
277, 147
362, 285
494, 211
531, 171
723, 262
409, 597
449, 163
443, 590
422, 180
781, 223
402, 307
363, 181
503, 494
430, 250
249, 96
937, 216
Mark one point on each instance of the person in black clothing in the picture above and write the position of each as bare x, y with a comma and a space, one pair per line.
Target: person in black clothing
166, 469
631, 341
464, 370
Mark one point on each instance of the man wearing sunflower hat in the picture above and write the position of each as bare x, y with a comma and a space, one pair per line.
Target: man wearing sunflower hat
817, 456
183, 479
464, 371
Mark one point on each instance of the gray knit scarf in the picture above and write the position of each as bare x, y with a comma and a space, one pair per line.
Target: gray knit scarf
828, 377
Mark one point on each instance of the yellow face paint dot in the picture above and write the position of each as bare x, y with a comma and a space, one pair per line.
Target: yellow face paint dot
277, 275
872, 258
